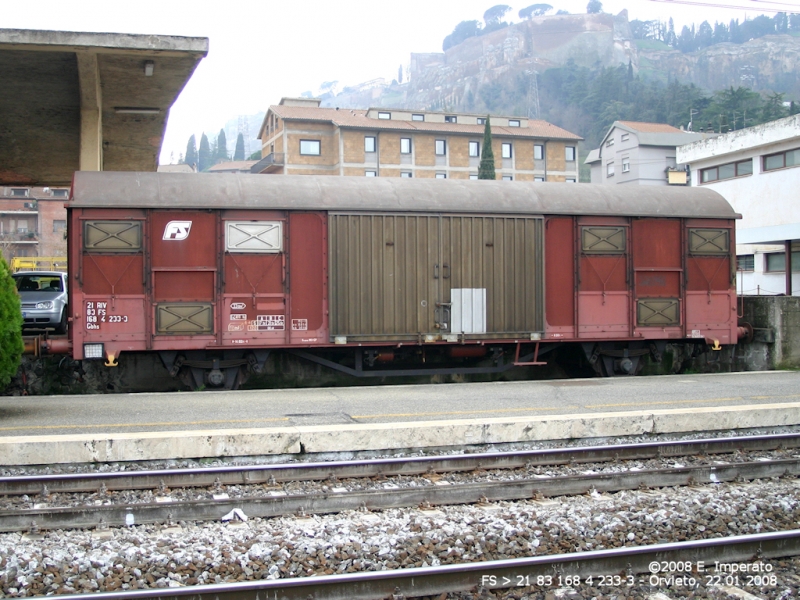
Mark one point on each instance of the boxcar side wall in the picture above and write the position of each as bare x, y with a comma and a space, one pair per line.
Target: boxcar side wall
622, 278
177, 280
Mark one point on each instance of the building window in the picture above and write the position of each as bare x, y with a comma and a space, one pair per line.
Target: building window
384, 115
790, 158
474, 149
61, 193
450, 119
370, 173
406, 174
570, 153
309, 147
540, 179
571, 180
505, 150
508, 178
513, 123
624, 137
441, 176
405, 145
610, 169
776, 262
473, 175
440, 147
59, 226
746, 262
626, 165
481, 120
610, 142
538, 151
417, 117
20, 192
369, 143
727, 171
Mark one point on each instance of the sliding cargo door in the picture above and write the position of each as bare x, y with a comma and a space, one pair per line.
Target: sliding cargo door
384, 275
491, 276
422, 277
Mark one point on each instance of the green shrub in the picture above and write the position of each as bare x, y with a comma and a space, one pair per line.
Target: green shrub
10, 326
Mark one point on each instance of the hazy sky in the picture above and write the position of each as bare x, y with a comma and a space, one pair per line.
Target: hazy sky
262, 50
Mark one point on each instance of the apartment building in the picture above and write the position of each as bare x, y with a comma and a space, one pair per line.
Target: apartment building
757, 170
299, 137
640, 153
33, 221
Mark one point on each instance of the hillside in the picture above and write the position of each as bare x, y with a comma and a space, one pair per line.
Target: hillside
493, 73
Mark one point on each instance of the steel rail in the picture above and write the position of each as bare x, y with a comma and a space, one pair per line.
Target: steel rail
318, 471
280, 503
624, 563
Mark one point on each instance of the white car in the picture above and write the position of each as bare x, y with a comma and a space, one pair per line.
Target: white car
43, 295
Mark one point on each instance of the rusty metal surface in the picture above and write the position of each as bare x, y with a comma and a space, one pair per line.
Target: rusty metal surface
228, 190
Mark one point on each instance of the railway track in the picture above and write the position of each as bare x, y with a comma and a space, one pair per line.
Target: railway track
273, 500
621, 568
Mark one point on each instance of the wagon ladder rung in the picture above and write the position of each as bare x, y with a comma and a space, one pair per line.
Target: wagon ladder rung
534, 363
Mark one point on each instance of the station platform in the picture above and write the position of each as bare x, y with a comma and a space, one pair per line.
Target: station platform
41, 430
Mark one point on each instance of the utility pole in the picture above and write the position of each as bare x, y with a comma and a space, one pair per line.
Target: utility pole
692, 113
533, 94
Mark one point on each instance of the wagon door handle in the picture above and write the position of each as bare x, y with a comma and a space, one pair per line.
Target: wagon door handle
445, 266
436, 271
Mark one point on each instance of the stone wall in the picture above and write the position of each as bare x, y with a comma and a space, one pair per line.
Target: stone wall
776, 321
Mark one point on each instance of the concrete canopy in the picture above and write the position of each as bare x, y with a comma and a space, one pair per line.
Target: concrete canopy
87, 101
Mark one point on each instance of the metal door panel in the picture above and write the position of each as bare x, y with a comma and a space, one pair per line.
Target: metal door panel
658, 251
183, 259
383, 275
603, 289
604, 315
504, 257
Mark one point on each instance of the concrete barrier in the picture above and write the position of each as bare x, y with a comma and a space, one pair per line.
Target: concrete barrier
123, 447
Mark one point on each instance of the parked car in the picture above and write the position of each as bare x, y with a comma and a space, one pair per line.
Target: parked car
43, 295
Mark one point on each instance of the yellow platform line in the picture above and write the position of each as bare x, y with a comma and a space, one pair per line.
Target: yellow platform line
156, 424
454, 412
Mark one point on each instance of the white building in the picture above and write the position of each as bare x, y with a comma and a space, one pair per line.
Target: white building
758, 171
640, 153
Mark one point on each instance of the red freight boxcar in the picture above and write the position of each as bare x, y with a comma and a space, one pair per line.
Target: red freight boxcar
376, 277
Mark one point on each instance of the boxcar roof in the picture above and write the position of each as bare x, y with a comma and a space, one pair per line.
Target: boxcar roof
333, 193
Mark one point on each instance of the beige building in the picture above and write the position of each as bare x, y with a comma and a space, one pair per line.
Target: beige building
300, 138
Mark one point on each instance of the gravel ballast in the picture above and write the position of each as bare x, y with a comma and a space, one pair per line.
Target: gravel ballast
149, 556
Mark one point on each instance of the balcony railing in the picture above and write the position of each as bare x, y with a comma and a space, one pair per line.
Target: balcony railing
274, 159
19, 236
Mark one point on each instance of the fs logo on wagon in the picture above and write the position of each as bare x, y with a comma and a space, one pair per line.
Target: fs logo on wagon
177, 230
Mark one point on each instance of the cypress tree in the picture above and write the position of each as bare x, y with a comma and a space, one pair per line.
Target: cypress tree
222, 146
238, 154
191, 152
10, 326
486, 168
205, 160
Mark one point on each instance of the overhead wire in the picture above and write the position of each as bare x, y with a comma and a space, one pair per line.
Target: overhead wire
757, 7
